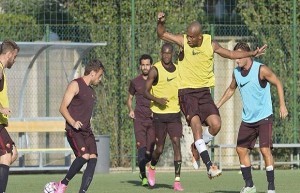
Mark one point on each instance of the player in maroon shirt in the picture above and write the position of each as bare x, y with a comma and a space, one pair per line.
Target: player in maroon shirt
77, 108
142, 116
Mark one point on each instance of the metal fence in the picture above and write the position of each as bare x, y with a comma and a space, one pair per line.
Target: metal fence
129, 27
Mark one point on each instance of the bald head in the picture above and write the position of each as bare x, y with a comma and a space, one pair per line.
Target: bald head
195, 28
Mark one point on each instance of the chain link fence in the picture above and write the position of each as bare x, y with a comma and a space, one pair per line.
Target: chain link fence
129, 28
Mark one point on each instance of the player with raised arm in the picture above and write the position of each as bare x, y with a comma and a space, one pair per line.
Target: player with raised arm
195, 68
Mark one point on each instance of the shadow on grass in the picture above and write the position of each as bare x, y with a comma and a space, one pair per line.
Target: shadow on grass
230, 191
157, 186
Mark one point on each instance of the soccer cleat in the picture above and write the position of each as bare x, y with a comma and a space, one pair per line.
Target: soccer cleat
151, 176
214, 172
61, 188
248, 190
177, 186
144, 182
271, 191
195, 156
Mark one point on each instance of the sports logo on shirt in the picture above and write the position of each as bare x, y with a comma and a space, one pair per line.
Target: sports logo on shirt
195, 52
169, 79
242, 85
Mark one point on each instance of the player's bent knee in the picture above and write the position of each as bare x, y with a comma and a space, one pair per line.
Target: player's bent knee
86, 156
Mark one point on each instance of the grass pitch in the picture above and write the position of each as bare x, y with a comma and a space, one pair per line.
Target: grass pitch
287, 181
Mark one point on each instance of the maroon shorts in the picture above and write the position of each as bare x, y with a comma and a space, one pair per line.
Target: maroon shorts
144, 134
6, 143
167, 124
249, 132
197, 102
81, 142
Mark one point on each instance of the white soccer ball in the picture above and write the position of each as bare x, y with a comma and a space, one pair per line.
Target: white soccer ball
50, 187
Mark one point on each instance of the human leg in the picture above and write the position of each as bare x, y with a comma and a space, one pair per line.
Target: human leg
8, 154
160, 134
177, 163
4, 171
140, 131
214, 126
88, 174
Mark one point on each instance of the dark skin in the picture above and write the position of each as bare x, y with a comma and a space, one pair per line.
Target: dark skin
194, 39
166, 61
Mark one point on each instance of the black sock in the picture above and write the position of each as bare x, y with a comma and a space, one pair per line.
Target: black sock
206, 159
4, 171
74, 169
246, 171
142, 161
153, 162
88, 175
270, 178
177, 165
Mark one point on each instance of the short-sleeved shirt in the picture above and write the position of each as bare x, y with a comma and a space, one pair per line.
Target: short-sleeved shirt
3, 99
142, 109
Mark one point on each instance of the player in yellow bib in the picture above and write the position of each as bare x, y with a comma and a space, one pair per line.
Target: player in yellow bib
195, 68
162, 90
8, 152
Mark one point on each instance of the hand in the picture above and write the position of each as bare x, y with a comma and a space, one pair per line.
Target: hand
162, 101
77, 125
161, 17
260, 51
283, 112
131, 114
5, 111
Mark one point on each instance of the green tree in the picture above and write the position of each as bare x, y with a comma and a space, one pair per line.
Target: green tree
271, 22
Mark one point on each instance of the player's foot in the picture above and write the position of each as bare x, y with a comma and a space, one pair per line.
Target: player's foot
195, 156
248, 190
151, 176
61, 188
214, 172
177, 186
144, 182
271, 191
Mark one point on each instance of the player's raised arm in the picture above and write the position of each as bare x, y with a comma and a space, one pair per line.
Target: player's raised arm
164, 35
225, 53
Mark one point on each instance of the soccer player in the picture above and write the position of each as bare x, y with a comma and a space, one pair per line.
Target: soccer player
142, 116
162, 90
77, 108
195, 68
253, 81
8, 151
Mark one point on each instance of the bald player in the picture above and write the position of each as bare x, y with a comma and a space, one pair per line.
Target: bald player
195, 68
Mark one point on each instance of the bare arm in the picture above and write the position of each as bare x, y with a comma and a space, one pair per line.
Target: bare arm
129, 105
149, 82
228, 93
71, 91
225, 53
164, 35
267, 74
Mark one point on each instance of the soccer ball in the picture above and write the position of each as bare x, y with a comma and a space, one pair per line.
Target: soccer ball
50, 187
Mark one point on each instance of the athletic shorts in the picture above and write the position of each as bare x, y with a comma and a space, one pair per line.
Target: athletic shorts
81, 142
167, 124
197, 102
6, 143
249, 132
144, 134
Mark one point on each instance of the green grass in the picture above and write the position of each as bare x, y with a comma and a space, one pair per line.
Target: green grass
287, 181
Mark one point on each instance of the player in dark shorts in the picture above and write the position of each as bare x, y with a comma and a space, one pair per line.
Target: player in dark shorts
77, 108
8, 151
253, 80
142, 116
162, 90
195, 68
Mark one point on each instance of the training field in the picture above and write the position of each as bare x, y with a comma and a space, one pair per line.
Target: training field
287, 181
